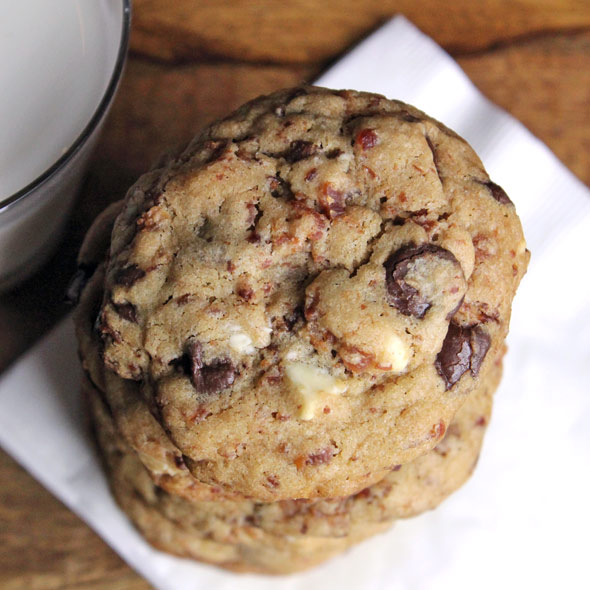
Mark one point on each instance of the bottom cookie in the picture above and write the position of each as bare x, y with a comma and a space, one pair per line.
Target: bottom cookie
173, 524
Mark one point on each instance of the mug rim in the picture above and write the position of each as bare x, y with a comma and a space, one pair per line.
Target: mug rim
92, 124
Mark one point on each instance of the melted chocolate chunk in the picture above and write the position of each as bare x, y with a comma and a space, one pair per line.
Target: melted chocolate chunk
435, 157
407, 299
299, 150
463, 349
78, 282
498, 193
455, 356
480, 344
211, 378
128, 275
126, 310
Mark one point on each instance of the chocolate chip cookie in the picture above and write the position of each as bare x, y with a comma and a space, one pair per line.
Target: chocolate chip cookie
307, 294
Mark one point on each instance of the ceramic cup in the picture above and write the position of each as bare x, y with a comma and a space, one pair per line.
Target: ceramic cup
60, 64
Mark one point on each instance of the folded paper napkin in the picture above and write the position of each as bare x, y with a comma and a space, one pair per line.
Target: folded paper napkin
522, 520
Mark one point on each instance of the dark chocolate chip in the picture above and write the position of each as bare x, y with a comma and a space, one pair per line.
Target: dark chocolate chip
126, 310
128, 275
407, 299
280, 188
435, 157
332, 154
211, 378
299, 150
463, 349
454, 358
498, 193
480, 344
78, 282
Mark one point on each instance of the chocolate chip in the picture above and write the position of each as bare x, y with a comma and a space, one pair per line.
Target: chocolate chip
211, 378
480, 344
400, 294
280, 188
455, 356
78, 282
463, 349
497, 192
126, 310
332, 154
299, 150
128, 275
435, 158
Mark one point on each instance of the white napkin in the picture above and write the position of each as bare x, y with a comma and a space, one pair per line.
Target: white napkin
523, 519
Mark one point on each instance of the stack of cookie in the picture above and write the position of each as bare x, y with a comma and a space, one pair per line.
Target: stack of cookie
292, 331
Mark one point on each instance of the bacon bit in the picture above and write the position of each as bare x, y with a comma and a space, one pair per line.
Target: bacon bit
514, 270
220, 176
373, 410
304, 528
266, 263
246, 293
327, 410
370, 171
285, 238
311, 306
396, 468
332, 202
280, 417
355, 359
230, 266
321, 457
364, 493
299, 462
438, 430
273, 481
201, 414
184, 299
481, 421
402, 197
152, 218
311, 174
363, 306
252, 213
367, 138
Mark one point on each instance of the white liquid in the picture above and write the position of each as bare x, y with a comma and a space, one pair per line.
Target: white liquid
56, 60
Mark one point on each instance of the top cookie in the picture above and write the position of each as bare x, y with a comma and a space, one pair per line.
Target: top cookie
310, 289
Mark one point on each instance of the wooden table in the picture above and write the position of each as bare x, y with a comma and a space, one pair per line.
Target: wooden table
194, 60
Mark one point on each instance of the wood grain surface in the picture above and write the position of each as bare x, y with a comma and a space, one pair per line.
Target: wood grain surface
195, 60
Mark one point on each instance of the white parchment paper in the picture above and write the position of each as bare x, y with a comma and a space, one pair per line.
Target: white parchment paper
522, 521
